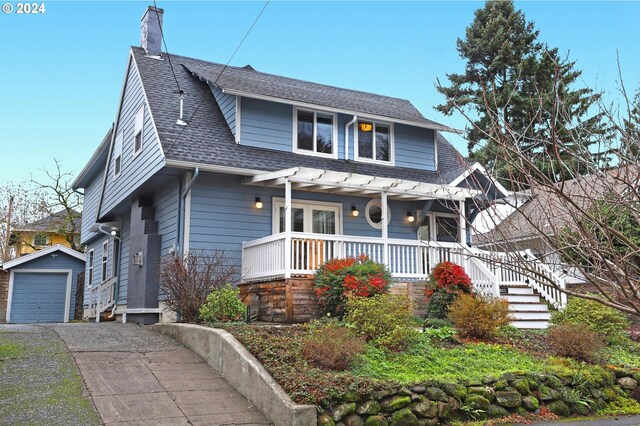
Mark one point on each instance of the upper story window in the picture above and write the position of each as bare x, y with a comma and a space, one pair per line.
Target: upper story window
137, 132
374, 141
117, 156
315, 133
40, 240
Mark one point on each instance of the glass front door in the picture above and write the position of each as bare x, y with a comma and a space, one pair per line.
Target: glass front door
310, 217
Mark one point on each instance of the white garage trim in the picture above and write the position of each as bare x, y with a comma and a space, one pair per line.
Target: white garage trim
67, 303
39, 253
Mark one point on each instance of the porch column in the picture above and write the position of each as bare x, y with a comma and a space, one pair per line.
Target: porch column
385, 228
463, 224
287, 228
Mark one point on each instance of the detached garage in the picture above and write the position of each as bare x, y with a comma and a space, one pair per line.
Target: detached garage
42, 285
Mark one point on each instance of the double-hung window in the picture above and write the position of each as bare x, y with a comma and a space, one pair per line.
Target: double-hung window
137, 132
315, 133
90, 267
105, 260
117, 155
374, 141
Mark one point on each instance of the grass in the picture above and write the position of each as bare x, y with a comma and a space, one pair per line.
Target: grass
425, 362
40, 382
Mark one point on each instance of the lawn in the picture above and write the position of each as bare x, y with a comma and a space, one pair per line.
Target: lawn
40, 381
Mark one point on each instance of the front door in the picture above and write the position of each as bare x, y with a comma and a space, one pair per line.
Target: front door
312, 218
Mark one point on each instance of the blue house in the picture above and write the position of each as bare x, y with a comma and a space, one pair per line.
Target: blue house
281, 174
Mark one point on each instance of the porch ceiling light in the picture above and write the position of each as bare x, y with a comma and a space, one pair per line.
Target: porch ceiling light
410, 217
114, 232
354, 210
258, 203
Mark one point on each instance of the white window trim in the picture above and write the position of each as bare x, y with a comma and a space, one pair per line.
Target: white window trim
46, 240
104, 263
334, 145
136, 131
118, 154
307, 205
392, 144
376, 202
90, 262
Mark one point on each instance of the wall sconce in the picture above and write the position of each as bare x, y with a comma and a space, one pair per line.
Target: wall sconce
410, 217
114, 232
258, 203
354, 211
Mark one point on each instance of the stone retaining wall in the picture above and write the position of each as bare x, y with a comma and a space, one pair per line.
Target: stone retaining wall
436, 403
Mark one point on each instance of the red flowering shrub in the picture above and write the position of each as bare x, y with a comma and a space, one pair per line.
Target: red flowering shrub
338, 279
446, 282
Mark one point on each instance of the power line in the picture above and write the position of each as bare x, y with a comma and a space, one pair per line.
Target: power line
255, 21
165, 47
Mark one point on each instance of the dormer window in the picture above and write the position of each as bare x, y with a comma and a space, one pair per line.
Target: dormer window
315, 133
374, 141
117, 156
137, 132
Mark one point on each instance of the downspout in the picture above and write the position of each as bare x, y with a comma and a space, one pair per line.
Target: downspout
116, 289
187, 190
346, 137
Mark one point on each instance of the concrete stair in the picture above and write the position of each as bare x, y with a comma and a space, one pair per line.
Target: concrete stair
526, 306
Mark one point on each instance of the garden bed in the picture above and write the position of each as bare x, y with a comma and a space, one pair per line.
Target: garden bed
440, 379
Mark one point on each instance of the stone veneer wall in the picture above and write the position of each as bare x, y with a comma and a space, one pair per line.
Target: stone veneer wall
436, 403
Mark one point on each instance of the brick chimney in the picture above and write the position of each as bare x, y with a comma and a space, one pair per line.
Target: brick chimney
150, 33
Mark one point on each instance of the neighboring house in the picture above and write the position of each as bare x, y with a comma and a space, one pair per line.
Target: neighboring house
539, 214
48, 231
42, 285
359, 173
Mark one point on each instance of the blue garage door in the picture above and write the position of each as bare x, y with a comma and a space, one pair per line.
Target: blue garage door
38, 297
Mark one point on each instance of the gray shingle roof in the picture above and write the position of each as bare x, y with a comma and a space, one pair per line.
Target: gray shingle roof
54, 222
208, 139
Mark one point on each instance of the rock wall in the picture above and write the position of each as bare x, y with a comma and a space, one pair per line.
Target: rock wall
436, 403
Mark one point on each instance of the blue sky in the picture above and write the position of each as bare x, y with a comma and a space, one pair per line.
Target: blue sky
61, 72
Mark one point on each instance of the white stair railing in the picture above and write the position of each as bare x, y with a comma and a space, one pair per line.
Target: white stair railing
101, 298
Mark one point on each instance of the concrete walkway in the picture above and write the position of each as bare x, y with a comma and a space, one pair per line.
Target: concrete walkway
138, 377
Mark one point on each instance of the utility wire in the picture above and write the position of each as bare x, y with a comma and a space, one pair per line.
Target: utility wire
165, 47
219, 75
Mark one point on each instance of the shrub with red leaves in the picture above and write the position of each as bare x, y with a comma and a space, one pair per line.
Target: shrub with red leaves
338, 279
446, 282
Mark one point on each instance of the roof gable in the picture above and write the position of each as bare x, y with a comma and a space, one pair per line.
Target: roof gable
41, 253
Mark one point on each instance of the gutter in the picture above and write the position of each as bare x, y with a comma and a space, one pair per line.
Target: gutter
346, 137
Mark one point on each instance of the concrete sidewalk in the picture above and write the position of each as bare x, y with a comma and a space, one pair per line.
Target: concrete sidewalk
149, 379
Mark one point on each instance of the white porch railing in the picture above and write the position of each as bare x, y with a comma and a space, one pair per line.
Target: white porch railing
101, 298
265, 258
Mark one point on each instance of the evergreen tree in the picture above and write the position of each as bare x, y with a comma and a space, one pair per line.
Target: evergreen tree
630, 149
519, 95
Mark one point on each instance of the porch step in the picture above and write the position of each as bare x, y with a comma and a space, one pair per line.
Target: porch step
522, 298
531, 315
528, 306
530, 324
518, 289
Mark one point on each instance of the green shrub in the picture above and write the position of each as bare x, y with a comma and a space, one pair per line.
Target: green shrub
437, 323
223, 305
338, 279
446, 282
330, 346
384, 319
478, 316
592, 315
574, 341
